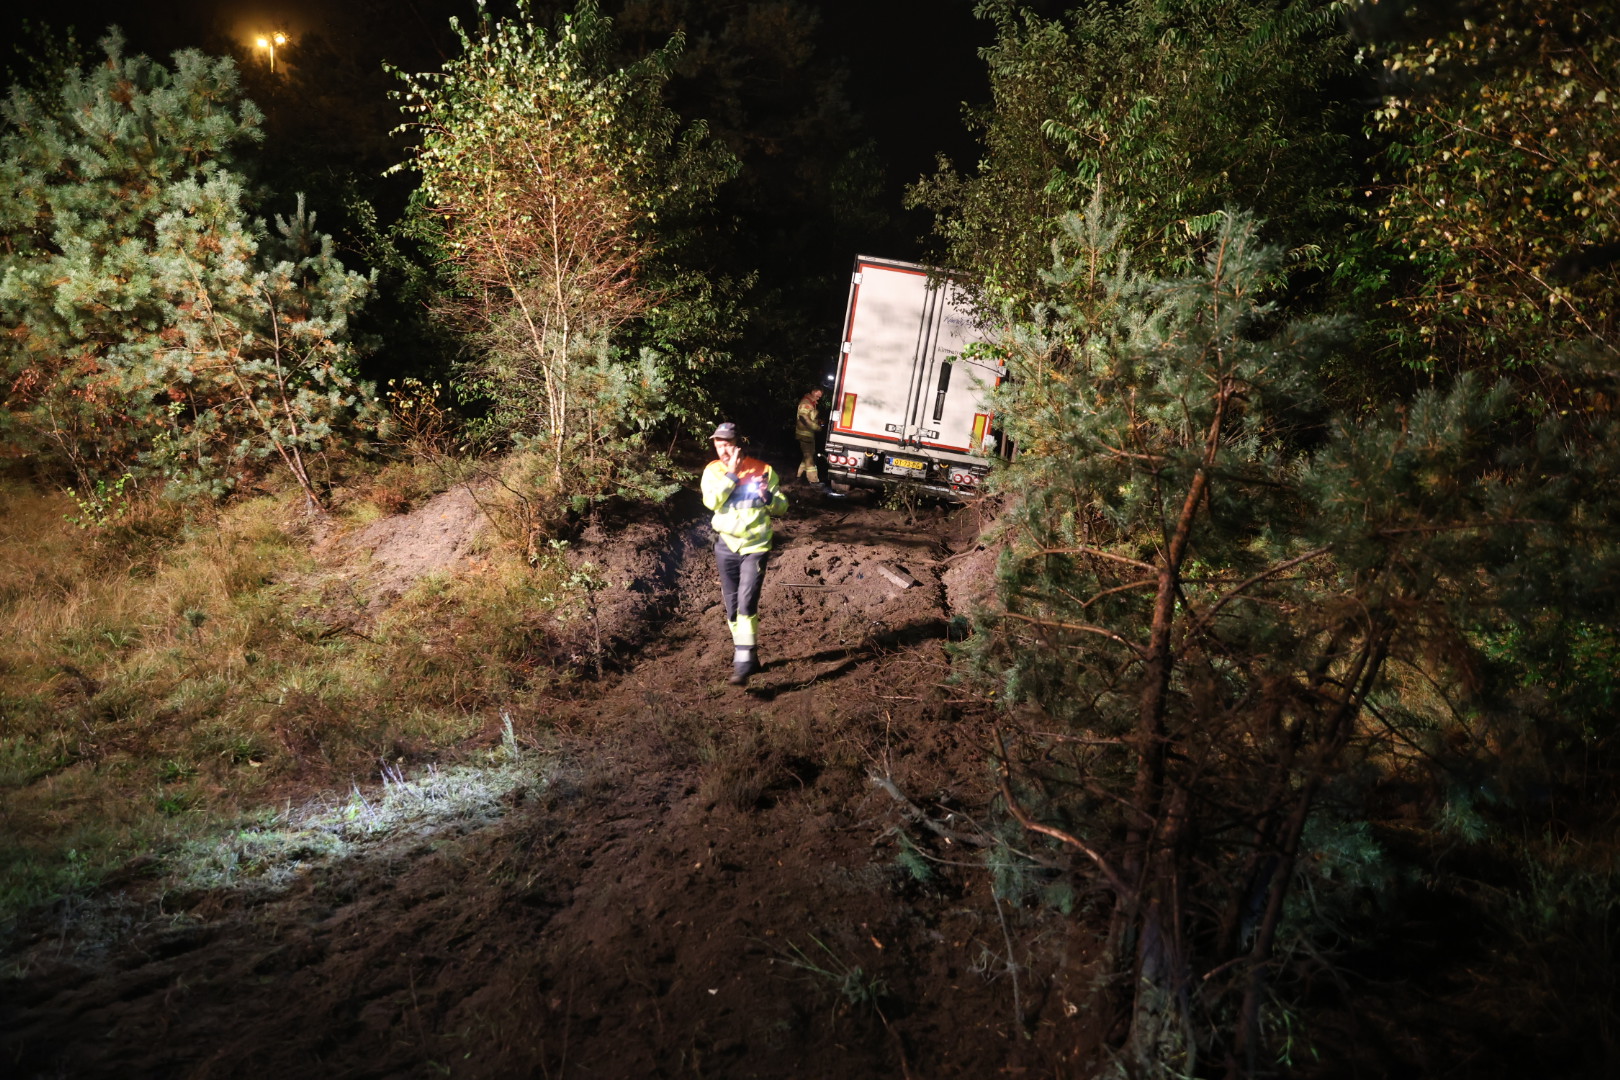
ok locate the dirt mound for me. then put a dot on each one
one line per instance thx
(970, 579)
(395, 552)
(632, 574)
(697, 881)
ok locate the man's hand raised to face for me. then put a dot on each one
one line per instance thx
(729, 454)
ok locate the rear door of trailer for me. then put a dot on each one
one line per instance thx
(899, 390)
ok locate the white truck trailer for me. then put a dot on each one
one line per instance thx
(907, 406)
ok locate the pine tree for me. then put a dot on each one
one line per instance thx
(1209, 585)
(153, 327)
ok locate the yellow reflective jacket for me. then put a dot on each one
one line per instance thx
(744, 503)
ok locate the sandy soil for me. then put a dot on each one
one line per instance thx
(393, 553)
(706, 881)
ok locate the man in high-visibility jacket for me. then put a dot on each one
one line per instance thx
(805, 426)
(745, 496)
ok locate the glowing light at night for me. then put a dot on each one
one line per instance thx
(270, 42)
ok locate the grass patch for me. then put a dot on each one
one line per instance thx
(274, 847)
(268, 849)
(853, 986)
(746, 760)
(170, 672)
(398, 486)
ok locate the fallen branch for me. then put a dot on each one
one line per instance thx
(916, 814)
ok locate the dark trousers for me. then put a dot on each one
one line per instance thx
(740, 579)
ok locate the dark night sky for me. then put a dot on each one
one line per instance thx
(912, 62)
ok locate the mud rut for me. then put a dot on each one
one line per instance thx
(706, 882)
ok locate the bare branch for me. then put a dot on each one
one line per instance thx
(1085, 549)
(1079, 628)
(1018, 812)
(1232, 594)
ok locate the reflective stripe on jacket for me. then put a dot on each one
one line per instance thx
(744, 503)
(806, 424)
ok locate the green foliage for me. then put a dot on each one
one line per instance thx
(911, 859)
(399, 332)
(1211, 585)
(103, 504)
(547, 180)
(1561, 922)
(1344, 873)
(154, 328)
(1497, 219)
(42, 55)
(1175, 109)
(1569, 665)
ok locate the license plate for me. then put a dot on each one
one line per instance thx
(908, 463)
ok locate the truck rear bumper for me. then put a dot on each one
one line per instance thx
(871, 480)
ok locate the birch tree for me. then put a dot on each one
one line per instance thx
(545, 176)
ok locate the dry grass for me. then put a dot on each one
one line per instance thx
(744, 761)
(188, 664)
(397, 486)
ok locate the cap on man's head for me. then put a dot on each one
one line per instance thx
(726, 431)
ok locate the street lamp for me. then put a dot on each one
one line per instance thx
(270, 43)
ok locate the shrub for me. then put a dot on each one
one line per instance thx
(155, 329)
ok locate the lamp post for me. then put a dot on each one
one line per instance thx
(270, 43)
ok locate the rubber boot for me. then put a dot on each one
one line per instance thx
(742, 665)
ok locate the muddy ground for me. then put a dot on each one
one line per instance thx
(701, 881)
